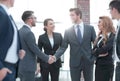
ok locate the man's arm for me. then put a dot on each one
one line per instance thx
(31, 43)
(93, 34)
(63, 47)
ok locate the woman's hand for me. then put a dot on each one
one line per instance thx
(103, 55)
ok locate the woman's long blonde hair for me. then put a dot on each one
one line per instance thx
(107, 27)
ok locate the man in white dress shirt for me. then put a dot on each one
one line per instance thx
(9, 42)
(114, 7)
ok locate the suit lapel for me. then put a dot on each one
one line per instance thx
(73, 34)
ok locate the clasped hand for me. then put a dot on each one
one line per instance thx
(52, 59)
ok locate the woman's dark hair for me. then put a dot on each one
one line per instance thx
(46, 22)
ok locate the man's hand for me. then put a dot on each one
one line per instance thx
(38, 68)
(22, 54)
(3, 73)
(52, 59)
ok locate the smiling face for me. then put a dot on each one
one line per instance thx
(100, 25)
(50, 26)
(74, 17)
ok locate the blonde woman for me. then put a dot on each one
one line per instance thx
(103, 50)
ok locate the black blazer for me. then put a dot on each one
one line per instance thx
(102, 49)
(44, 43)
(118, 44)
(6, 35)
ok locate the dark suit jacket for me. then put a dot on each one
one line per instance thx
(6, 35)
(79, 52)
(28, 43)
(102, 49)
(118, 44)
(44, 43)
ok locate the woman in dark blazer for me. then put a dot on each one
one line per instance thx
(103, 49)
(50, 42)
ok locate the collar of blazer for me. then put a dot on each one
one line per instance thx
(47, 39)
(84, 33)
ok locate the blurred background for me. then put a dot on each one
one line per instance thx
(58, 10)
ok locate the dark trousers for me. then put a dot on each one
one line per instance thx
(54, 72)
(104, 72)
(12, 76)
(117, 75)
(87, 72)
(26, 76)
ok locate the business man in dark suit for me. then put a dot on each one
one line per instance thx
(80, 37)
(114, 7)
(9, 42)
(50, 41)
(27, 66)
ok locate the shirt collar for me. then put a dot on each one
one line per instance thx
(81, 24)
(28, 26)
(5, 8)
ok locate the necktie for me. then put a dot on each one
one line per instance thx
(79, 34)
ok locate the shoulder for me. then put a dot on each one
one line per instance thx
(88, 26)
(56, 33)
(42, 36)
(3, 15)
(25, 31)
(112, 35)
(69, 29)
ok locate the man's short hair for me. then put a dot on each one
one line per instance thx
(26, 15)
(115, 4)
(77, 11)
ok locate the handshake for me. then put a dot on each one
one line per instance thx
(52, 59)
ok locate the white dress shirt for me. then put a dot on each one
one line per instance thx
(81, 27)
(115, 53)
(51, 41)
(12, 56)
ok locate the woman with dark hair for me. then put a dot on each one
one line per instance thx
(103, 49)
(50, 42)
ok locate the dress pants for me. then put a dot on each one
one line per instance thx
(87, 72)
(27, 76)
(104, 72)
(117, 75)
(54, 73)
(10, 77)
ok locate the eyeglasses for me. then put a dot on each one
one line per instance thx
(32, 17)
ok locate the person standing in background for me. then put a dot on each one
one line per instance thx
(9, 43)
(114, 7)
(50, 41)
(103, 50)
(27, 66)
(80, 38)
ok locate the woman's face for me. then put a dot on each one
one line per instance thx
(50, 26)
(100, 25)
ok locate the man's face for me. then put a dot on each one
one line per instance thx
(32, 20)
(113, 13)
(74, 17)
